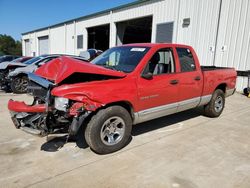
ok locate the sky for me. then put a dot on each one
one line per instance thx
(19, 16)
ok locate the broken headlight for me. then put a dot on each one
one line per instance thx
(61, 103)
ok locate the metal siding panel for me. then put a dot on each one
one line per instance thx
(33, 43)
(57, 40)
(165, 11)
(245, 49)
(239, 40)
(69, 38)
(234, 36)
(201, 33)
(234, 33)
(241, 83)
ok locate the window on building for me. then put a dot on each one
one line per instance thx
(79, 41)
(186, 60)
(164, 32)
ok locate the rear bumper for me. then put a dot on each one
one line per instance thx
(16, 106)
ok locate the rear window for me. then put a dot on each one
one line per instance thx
(186, 60)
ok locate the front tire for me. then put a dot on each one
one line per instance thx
(109, 130)
(216, 105)
(19, 84)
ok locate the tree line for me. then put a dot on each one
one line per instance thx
(9, 46)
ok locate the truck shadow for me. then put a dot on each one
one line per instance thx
(165, 121)
(54, 142)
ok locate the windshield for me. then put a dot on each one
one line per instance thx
(124, 58)
(31, 61)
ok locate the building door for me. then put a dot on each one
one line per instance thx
(43, 45)
(233, 43)
(27, 47)
(138, 30)
(197, 26)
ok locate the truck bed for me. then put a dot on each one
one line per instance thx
(213, 77)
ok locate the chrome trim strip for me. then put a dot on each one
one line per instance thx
(229, 92)
(164, 110)
(41, 81)
(188, 104)
(153, 113)
(158, 108)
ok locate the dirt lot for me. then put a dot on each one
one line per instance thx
(185, 150)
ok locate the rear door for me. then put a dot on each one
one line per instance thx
(190, 79)
(158, 96)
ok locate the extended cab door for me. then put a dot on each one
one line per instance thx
(190, 79)
(158, 93)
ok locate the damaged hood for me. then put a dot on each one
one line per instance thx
(25, 69)
(61, 68)
(5, 64)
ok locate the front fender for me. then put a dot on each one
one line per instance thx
(99, 93)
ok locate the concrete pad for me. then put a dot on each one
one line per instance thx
(184, 150)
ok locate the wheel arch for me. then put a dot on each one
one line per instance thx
(222, 86)
(125, 104)
(20, 75)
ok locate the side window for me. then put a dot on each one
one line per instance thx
(186, 60)
(162, 62)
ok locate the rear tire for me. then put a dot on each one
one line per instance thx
(216, 105)
(19, 84)
(109, 130)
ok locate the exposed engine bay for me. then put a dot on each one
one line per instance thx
(49, 114)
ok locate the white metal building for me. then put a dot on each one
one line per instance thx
(219, 30)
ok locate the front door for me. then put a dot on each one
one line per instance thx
(158, 95)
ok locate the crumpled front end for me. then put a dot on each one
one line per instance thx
(33, 118)
(47, 114)
(59, 105)
(3, 79)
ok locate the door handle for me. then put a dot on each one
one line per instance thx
(197, 78)
(173, 82)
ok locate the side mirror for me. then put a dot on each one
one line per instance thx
(147, 75)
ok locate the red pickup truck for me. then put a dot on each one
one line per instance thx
(125, 85)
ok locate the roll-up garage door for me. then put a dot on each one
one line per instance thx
(27, 47)
(43, 44)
